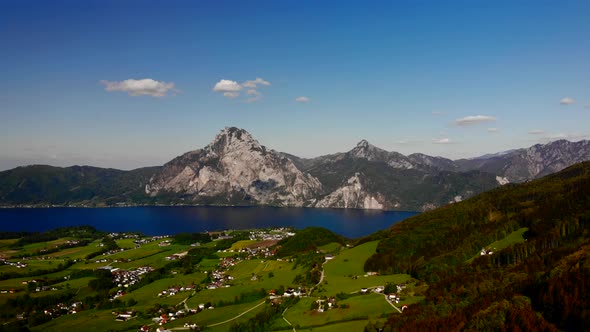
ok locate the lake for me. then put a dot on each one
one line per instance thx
(171, 220)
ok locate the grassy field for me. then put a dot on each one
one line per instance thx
(242, 244)
(126, 243)
(16, 283)
(74, 283)
(218, 315)
(345, 272)
(148, 295)
(153, 259)
(363, 307)
(331, 248)
(102, 320)
(208, 264)
(6, 243)
(356, 325)
(33, 265)
(135, 254)
(512, 238)
(242, 272)
(33, 248)
(77, 252)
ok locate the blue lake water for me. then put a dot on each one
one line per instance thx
(172, 220)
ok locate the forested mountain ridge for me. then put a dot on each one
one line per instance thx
(541, 283)
(42, 184)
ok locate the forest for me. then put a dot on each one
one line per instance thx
(540, 283)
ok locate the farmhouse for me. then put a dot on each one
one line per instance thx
(486, 251)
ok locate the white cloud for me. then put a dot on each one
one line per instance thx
(567, 101)
(231, 95)
(441, 140)
(227, 86)
(253, 84)
(536, 132)
(231, 89)
(493, 130)
(142, 87)
(302, 99)
(557, 136)
(571, 136)
(474, 119)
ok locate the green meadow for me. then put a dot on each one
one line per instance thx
(510, 239)
(345, 272)
(360, 307)
(282, 275)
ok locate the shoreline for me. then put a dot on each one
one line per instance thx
(194, 205)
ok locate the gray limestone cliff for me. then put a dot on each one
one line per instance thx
(235, 169)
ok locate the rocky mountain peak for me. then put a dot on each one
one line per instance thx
(234, 167)
(233, 138)
(366, 150)
(363, 144)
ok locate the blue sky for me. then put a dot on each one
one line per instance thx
(449, 78)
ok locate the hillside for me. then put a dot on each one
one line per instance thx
(395, 188)
(41, 184)
(308, 239)
(547, 273)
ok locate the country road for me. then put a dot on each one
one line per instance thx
(393, 305)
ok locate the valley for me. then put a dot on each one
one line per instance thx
(294, 166)
(219, 285)
(514, 257)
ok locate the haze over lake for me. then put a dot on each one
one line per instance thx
(172, 220)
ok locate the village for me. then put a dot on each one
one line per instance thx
(243, 275)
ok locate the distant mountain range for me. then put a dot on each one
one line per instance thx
(235, 169)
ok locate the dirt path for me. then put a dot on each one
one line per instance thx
(288, 322)
(321, 278)
(238, 316)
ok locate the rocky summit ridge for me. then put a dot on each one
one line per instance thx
(235, 167)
